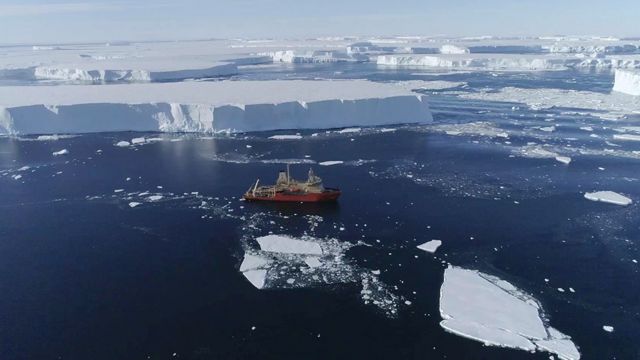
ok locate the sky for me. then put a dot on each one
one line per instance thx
(64, 21)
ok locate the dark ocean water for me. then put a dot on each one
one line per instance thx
(85, 276)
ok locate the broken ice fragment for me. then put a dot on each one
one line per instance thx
(563, 159)
(608, 197)
(430, 246)
(61, 152)
(285, 244)
(312, 262)
(256, 277)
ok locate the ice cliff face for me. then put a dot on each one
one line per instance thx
(57, 73)
(628, 82)
(508, 62)
(210, 107)
(173, 117)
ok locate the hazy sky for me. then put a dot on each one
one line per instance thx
(45, 21)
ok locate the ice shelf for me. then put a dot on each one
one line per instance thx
(222, 106)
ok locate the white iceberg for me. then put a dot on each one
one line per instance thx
(492, 311)
(220, 106)
(608, 197)
(563, 159)
(61, 152)
(430, 246)
(627, 81)
(453, 49)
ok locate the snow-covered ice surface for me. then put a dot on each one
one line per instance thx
(491, 310)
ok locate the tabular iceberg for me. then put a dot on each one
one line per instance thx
(508, 61)
(225, 106)
(628, 82)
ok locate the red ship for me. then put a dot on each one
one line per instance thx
(287, 189)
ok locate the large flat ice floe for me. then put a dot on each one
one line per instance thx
(223, 106)
(628, 82)
(492, 311)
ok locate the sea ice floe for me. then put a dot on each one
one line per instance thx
(155, 197)
(285, 137)
(430, 246)
(607, 328)
(288, 245)
(284, 262)
(329, 163)
(563, 159)
(490, 310)
(610, 197)
(123, 143)
(626, 137)
(478, 128)
(138, 141)
(61, 152)
(134, 204)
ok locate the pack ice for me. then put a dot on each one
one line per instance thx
(285, 262)
(222, 106)
(490, 310)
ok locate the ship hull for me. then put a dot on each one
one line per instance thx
(325, 196)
